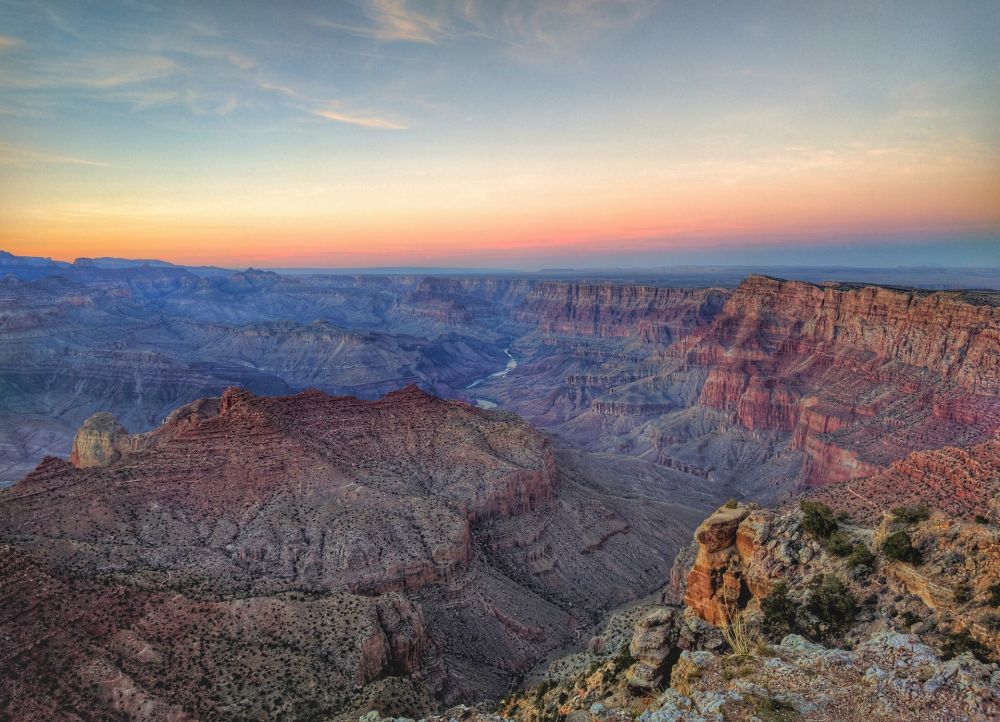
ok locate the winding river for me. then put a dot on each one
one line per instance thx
(511, 365)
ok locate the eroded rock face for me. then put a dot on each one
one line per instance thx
(962, 482)
(652, 314)
(100, 441)
(409, 546)
(840, 366)
(715, 583)
(654, 639)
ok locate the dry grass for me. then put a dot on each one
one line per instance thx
(739, 634)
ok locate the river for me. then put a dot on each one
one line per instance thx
(511, 365)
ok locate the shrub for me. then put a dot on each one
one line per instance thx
(731, 504)
(832, 604)
(779, 612)
(839, 544)
(899, 547)
(860, 556)
(956, 644)
(817, 519)
(993, 592)
(624, 659)
(911, 514)
(962, 593)
(980, 519)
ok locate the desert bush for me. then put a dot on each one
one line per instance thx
(817, 519)
(779, 612)
(860, 555)
(962, 593)
(993, 595)
(980, 519)
(623, 660)
(839, 544)
(911, 514)
(898, 546)
(832, 603)
(731, 504)
(962, 642)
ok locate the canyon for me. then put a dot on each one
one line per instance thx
(234, 489)
(432, 549)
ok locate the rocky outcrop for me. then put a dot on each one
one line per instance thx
(916, 644)
(889, 676)
(715, 584)
(100, 442)
(652, 644)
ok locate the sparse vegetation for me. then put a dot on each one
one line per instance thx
(779, 612)
(962, 642)
(962, 593)
(980, 519)
(818, 519)
(911, 514)
(768, 709)
(898, 546)
(860, 556)
(839, 544)
(832, 603)
(731, 504)
(739, 634)
(993, 595)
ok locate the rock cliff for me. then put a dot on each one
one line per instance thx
(860, 376)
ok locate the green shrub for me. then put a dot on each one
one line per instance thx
(962, 593)
(817, 519)
(899, 547)
(957, 644)
(911, 514)
(839, 544)
(860, 556)
(980, 519)
(779, 612)
(993, 592)
(731, 504)
(832, 604)
(623, 660)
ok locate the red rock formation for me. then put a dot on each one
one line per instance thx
(715, 582)
(961, 482)
(859, 375)
(651, 314)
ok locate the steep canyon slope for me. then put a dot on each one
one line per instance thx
(410, 549)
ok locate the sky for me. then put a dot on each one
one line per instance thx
(502, 133)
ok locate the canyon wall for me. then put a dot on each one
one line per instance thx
(858, 376)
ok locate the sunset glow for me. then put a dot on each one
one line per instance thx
(511, 134)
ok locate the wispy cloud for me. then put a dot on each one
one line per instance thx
(11, 155)
(559, 25)
(359, 119)
(395, 21)
(7, 42)
(524, 26)
(110, 71)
